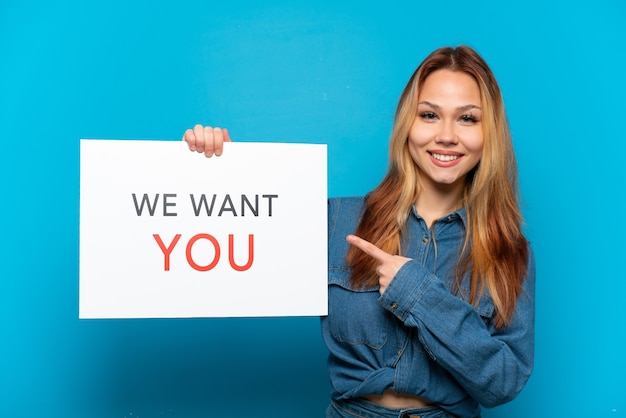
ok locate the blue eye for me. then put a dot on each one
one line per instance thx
(428, 115)
(468, 119)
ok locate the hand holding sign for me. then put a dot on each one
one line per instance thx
(207, 140)
(388, 265)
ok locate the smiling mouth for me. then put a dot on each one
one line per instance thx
(444, 158)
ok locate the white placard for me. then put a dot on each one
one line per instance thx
(165, 232)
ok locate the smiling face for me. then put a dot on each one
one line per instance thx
(446, 137)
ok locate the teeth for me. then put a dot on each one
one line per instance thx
(445, 157)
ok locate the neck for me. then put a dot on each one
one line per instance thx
(433, 203)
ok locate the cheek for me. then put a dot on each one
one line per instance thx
(475, 148)
(418, 137)
(413, 153)
(415, 145)
(475, 143)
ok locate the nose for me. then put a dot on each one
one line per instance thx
(446, 134)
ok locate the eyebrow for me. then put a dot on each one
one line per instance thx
(461, 108)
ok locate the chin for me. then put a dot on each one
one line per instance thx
(446, 182)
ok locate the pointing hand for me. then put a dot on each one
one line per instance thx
(388, 265)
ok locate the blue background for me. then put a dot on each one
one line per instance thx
(325, 72)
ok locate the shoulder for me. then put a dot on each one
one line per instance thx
(342, 206)
(529, 281)
(353, 202)
(344, 215)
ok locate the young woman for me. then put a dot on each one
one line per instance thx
(431, 280)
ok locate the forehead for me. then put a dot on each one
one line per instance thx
(453, 88)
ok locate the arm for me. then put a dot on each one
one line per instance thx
(492, 364)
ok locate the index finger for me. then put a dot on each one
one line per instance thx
(367, 247)
(226, 135)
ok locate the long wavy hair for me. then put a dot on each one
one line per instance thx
(495, 251)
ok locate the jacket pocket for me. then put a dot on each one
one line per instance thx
(354, 316)
(485, 307)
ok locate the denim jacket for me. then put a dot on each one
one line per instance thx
(420, 337)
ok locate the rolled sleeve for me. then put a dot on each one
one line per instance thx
(492, 364)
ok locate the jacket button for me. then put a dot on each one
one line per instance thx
(425, 240)
(394, 305)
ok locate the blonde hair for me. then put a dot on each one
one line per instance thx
(495, 251)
